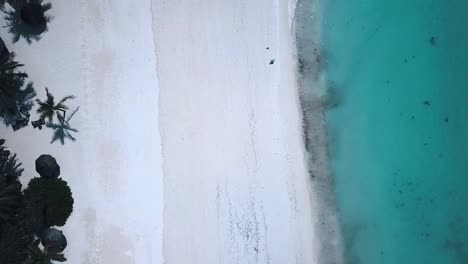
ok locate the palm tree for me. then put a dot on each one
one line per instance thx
(10, 78)
(10, 199)
(15, 238)
(27, 19)
(10, 187)
(62, 129)
(48, 109)
(24, 104)
(14, 108)
(9, 168)
(15, 102)
(4, 52)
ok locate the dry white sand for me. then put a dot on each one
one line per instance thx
(236, 188)
(190, 146)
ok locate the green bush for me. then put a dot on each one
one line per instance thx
(10, 199)
(15, 238)
(50, 200)
(10, 186)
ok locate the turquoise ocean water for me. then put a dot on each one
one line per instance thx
(399, 138)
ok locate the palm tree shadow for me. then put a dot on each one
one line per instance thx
(63, 129)
(27, 19)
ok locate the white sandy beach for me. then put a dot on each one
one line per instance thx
(230, 126)
(190, 147)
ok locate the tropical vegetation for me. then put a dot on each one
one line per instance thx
(51, 197)
(48, 108)
(27, 216)
(26, 18)
(15, 101)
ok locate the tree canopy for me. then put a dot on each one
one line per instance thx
(27, 19)
(15, 101)
(52, 197)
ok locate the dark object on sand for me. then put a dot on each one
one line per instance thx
(38, 124)
(272, 62)
(47, 167)
(22, 121)
(53, 240)
(427, 103)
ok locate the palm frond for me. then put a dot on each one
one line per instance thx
(9, 165)
(50, 97)
(44, 116)
(68, 97)
(28, 92)
(61, 104)
(10, 65)
(10, 168)
(52, 125)
(48, 109)
(73, 113)
(15, 101)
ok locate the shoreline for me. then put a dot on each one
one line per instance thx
(315, 100)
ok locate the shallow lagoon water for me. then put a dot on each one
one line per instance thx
(399, 138)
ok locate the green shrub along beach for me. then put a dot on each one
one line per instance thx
(28, 217)
(31, 216)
